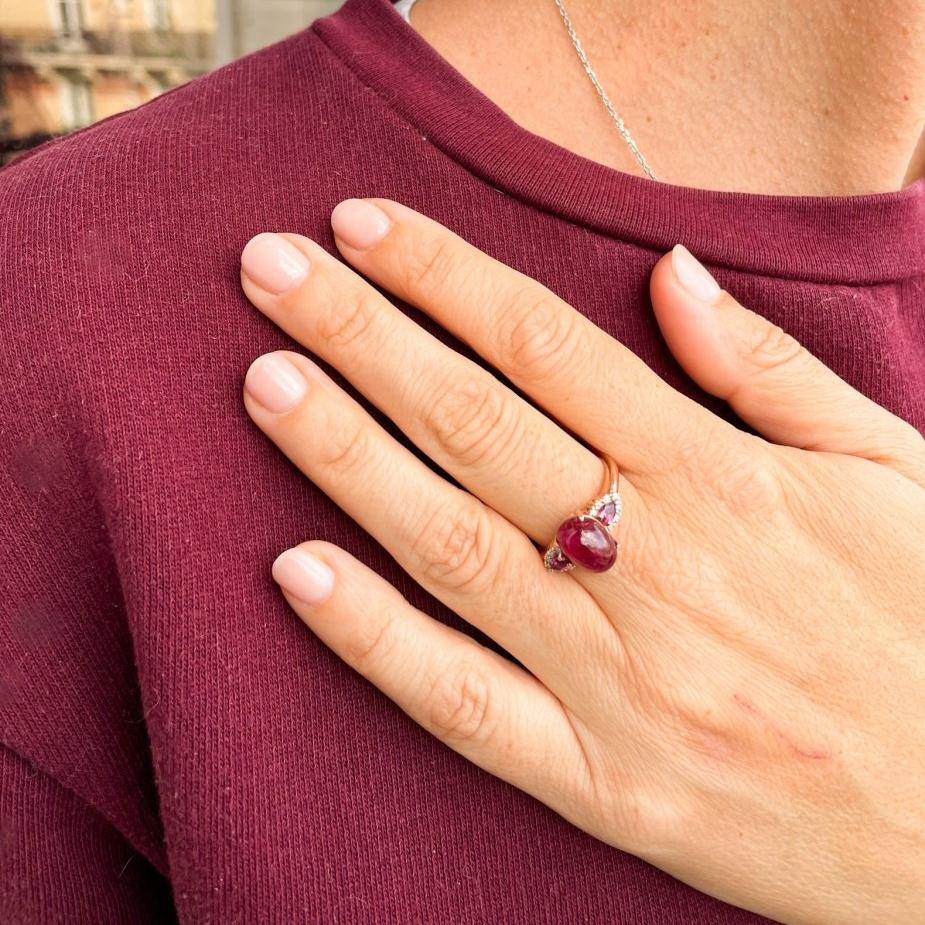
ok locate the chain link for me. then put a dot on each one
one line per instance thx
(602, 93)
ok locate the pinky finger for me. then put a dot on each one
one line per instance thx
(483, 706)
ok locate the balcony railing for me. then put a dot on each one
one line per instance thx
(192, 50)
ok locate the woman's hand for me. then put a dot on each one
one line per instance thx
(741, 700)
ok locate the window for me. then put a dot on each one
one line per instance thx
(76, 101)
(160, 83)
(158, 14)
(70, 16)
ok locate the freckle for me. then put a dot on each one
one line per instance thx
(826, 111)
(743, 701)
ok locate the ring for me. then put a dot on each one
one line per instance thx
(585, 538)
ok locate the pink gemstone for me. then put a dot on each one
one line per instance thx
(607, 513)
(587, 543)
(555, 559)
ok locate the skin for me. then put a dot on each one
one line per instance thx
(739, 701)
(824, 97)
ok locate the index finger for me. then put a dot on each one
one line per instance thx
(581, 375)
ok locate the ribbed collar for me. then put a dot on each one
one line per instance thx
(835, 239)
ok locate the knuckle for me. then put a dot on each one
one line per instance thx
(742, 477)
(771, 347)
(349, 318)
(461, 705)
(468, 420)
(751, 488)
(429, 264)
(537, 335)
(343, 445)
(453, 549)
(374, 644)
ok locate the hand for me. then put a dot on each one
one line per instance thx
(740, 700)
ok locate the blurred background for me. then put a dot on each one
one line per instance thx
(67, 63)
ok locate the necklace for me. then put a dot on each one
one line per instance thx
(602, 93)
(404, 8)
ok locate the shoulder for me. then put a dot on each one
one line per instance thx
(93, 221)
(211, 119)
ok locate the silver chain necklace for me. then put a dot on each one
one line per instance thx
(602, 93)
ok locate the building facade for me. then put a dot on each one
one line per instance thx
(67, 63)
(246, 25)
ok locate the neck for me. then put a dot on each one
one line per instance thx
(826, 98)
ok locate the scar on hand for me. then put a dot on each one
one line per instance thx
(796, 748)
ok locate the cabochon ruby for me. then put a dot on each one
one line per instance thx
(587, 542)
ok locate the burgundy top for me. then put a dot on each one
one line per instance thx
(172, 736)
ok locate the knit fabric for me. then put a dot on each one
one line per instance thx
(172, 736)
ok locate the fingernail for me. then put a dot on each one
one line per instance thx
(359, 224)
(273, 263)
(693, 275)
(303, 575)
(276, 383)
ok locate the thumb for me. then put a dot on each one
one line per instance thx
(770, 380)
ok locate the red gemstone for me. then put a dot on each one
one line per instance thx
(587, 542)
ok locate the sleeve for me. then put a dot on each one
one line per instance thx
(60, 861)
(77, 788)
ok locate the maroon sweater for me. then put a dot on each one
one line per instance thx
(172, 737)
